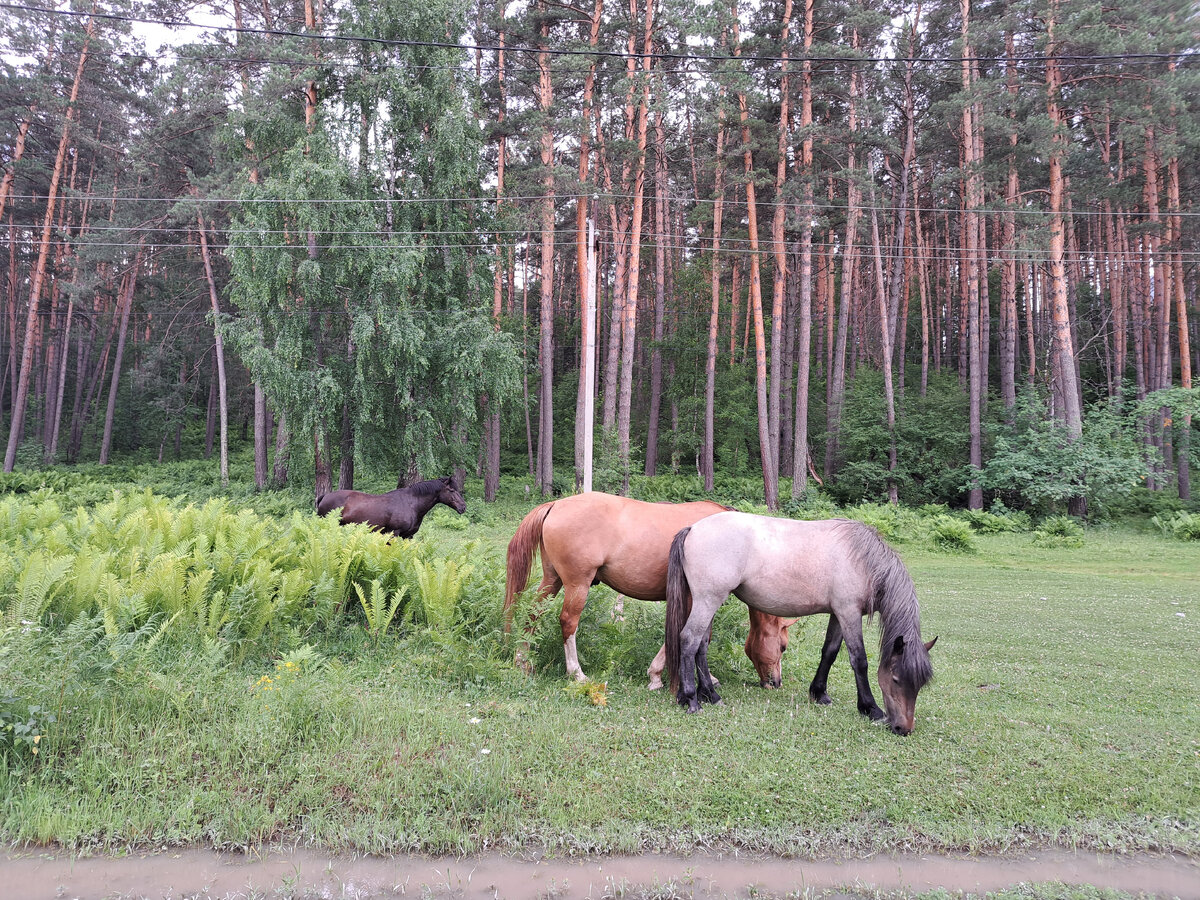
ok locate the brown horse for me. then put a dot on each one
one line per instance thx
(399, 512)
(596, 538)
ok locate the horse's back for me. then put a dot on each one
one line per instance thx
(785, 567)
(624, 541)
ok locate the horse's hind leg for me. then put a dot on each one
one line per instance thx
(852, 634)
(829, 652)
(706, 687)
(574, 599)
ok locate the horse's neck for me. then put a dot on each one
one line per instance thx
(423, 504)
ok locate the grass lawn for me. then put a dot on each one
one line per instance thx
(1065, 710)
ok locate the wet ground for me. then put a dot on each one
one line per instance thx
(309, 874)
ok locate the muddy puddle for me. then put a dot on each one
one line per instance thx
(309, 874)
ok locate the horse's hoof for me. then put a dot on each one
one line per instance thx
(876, 714)
(580, 678)
(822, 699)
(693, 708)
(715, 682)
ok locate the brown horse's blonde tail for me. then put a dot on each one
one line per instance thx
(679, 605)
(520, 557)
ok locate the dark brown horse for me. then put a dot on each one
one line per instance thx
(398, 512)
(596, 538)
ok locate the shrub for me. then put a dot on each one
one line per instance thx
(951, 535)
(1181, 526)
(1059, 531)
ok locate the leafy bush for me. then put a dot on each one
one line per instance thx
(1059, 531)
(1180, 525)
(22, 726)
(951, 535)
(998, 520)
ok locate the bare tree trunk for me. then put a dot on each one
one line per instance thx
(279, 474)
(1174, 238)
(710, 366)
(491, 474)
(885, 340)
(545, 458)
(1008, 270)
(126, 307)
(973, 200)
(779, 258)
(17, 424)
(18, 152)
(629, 323)
(261, 434)
(222, 389)
(1072, 414)
(837, 376)
(662, 233)
(766, 454)
(582, 210)
(800, 459)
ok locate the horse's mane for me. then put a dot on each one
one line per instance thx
(895, 598)
(425, 488)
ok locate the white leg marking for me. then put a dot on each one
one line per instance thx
(573, 667)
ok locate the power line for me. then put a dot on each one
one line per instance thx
(1138, 215)
(682, 57)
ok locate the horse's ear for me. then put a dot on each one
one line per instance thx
(898, 646)
(929, 644)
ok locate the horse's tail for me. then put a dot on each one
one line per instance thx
(679, 605)
(520, 557)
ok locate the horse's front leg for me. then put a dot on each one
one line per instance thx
(574, 599)
(852, 634)
(829, 652)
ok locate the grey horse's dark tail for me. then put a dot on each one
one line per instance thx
(679, 605)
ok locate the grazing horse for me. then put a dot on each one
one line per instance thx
(790, 568)
(596, 538)
(400, 511)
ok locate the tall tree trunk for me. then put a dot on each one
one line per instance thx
(491, 472)
(885, 340)
(1071, 413)
(766, 454)
(222, 387)
(126, 306)
(629, 323)
(710, 364)
(837, 376)
(545, 458)
(800, 459)
(779, 258)
(662, 232)
(279, 472)
(1008, 270)
(18, 152)
(582, 212)
(20, 401)
(971, 257)
(1175, 281)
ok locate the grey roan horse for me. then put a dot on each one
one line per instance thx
(399, 512)
(790, 568)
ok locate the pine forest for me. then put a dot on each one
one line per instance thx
(933, 252)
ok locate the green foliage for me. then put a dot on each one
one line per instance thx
(440, 585)
(1181, 525)
(952, 535)
(1058, 531)
(22, 727)
(379, 607)
(1036, 465)
(999, 520)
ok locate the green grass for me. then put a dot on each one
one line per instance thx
(1065, 711)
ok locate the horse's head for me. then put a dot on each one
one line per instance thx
(766, 644)
(904, 669)
(450, 493)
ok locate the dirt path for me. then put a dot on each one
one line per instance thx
(305, 874)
